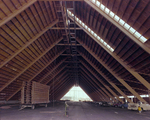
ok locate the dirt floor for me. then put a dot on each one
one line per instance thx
(76, 111)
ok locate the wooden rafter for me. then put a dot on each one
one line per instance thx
(104, 76)
(135, 74)
(37, 74)
(99, 92)
(91, 96)
(143, 46)
(58, 79)
(29, 65)
(60, 0)
(63, 92)
(15, 13)
(95, 82)
(57, 88)
(91, 89)
(56, 74)
(52, 70)
(112, 72)
(49, 64)
(28, 43)
(62, 88)
(109, 89)
(62, 28)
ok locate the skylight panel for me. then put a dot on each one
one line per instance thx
(93, 33)
(83, 24)
(137, 34)
(102, 7)
(93, 1)
(111, 49)
(108, 46)
(107, 10)
(111, 14)
(120, 21)
(131, 30)
(126, 26)
(98, 3)
(116, 18)
(80, 21)
(105, 43)
(143, 39)
(101, 40)
(85, 27)
(98, 38)
(89, 29)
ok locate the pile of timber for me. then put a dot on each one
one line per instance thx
(34, 93)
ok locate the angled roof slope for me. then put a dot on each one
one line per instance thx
(35, 46)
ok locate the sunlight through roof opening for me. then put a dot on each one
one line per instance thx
(92, 32)
(76, 94)
(120, 21)
(132, 96)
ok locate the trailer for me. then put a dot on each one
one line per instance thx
(33, 93)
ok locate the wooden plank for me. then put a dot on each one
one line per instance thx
(28, 43)
(29, 65)
(60, 0)
(40, 93)
(114, 74)
(119, 26)
(4, 21)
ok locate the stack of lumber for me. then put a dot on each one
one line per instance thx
(34, 93)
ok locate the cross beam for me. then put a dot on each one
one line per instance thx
(105, 77)
(29, 65)
(108, 88)
(143, 46)
(112, 72)
(117, 58)
(28, 43)
(36, 75)
(16, 12)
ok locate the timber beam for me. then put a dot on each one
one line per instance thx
(93, 81)
(108, 88)
(112, 72)
(54, 75)
(29, 65)
(15, 13)
(106, 78)
(28, 43)
(143, 46)
(99, 93)
(117, 58)
(36, 75)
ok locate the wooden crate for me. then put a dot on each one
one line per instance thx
(34, 93)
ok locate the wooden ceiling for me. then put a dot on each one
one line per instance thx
(34, 46)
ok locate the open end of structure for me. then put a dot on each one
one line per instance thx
(76, 93)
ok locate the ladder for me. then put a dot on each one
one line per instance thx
(72, 39)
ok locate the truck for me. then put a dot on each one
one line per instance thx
(134, 106)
